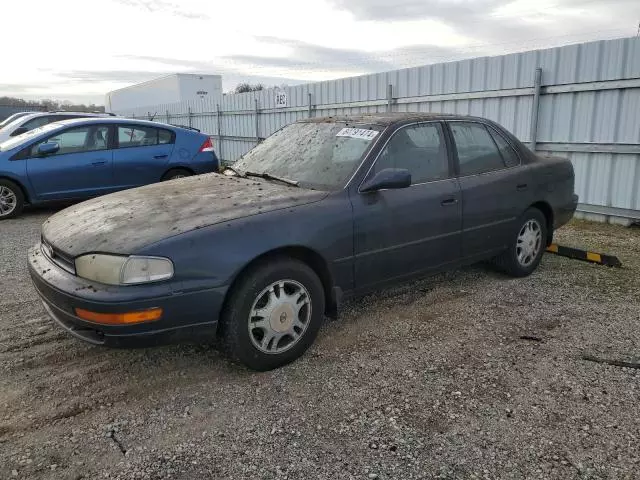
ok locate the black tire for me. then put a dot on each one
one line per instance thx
(11, 199)
(176, 173)
(236, 338)
(508, 261)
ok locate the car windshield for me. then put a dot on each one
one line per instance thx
(25, 137)
(314, 154)
(12, 118)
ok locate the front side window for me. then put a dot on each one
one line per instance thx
(477, 152)
(37, 122)
(141, 136)
(419, 149)
(76, 140)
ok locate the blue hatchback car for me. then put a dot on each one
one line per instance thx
(82, 158)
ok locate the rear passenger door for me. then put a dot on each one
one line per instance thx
(495, 187)
(142, 154)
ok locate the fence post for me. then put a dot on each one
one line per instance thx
(310, 106)
(389, 97)
(190, 119)
(257, 121)
(537, 83)
(168, 116)
(219, 115)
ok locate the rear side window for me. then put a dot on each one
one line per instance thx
(165, 136)
(142, 136)
(37, 122)
(477, 152)
(509, 155)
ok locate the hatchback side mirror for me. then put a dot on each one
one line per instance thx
(388, 178)
(48, 148)
(19, 131)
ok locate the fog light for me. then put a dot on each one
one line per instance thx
(127, 318)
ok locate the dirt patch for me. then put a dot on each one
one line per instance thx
(464, 375)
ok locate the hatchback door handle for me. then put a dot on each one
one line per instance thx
(522, 186)
(98, 163)
(160, 156)
(449, 201)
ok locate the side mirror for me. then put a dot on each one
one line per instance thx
(388, 178)
(48, 148)
(19, 131)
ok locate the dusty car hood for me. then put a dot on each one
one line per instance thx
(126, 221)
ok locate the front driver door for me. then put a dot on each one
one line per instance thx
(81, 168)
(402, 232)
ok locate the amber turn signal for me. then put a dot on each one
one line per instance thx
(120, 318)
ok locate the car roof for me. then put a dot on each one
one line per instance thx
(120, 120)
(386, 119)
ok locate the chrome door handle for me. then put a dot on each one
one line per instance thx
(449, 201)
(98, 163)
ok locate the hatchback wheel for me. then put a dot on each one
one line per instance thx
(273, 314)
(527, 245)
(176, 173)
(11, 199)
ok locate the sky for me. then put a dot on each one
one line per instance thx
(78, 50)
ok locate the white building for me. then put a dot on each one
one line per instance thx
(178, 87)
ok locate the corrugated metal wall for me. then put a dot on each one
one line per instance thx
(589, 110)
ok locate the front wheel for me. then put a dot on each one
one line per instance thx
(273, 314)
(11, 199)
(527, 245)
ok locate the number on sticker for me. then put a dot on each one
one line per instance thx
(281, 99)
(361, 133)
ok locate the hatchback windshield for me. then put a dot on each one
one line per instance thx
(316, 155)
(25, 137)
(12, 118)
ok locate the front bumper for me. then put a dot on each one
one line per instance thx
(186, 314)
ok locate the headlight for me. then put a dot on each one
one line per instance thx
(119, 270)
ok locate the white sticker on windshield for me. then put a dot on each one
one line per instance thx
(362, 133)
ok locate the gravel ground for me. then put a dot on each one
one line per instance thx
(430, 380)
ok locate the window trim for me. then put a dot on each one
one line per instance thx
(506, 140)
(116, 139)
(455, 148)
(29, 147)
(413, 124)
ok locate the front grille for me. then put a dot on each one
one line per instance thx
(56, 256)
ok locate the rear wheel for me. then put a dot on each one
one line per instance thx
(273, 314)
(526, 246)
(11, 199)
(175, 173)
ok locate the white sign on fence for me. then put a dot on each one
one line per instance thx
(281, 99)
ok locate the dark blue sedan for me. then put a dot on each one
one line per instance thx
(83, 158)
(322, 210)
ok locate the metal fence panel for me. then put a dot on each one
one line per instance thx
(588, 111)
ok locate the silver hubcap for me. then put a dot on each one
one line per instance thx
(529, 242)
(180, 175)
(279, 316)
(8, 201)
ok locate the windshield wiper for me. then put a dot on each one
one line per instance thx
(268, 176)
